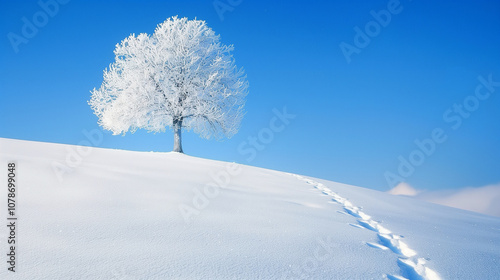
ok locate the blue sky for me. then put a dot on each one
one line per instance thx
(353, 121)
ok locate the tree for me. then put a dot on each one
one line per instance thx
(181, 76)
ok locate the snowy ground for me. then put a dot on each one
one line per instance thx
(111, 214)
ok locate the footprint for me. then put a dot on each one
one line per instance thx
(396, 245)
(374, 226)
(352, 212)
(377, 246)
(356, 226)
(338, 200)
(417, 270)
(356, 212)
(368, 225)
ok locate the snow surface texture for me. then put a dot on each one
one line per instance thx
(136, 215)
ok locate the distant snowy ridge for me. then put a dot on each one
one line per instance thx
(485, 200)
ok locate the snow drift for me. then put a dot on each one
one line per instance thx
(90, 213)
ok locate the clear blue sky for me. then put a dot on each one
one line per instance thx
(353, 120)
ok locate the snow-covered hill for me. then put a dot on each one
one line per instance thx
(109, 214)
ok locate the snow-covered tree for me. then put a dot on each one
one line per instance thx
(181, 76)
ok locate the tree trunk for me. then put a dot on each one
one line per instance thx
(177, 135)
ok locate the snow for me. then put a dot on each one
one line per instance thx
(140, 215)
(485, 199)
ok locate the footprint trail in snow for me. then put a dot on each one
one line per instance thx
(412, 267)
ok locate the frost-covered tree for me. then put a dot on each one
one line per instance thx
(181, 76)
